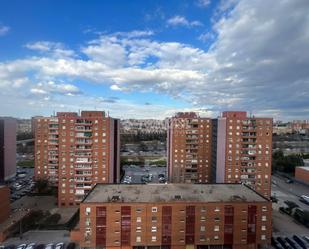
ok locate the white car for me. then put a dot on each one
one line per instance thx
(59, 246)
(49, 246)
(30, 246)
(22, 246)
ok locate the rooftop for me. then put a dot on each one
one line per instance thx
(304, 167)
(173, 192)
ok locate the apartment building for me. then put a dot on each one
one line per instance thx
(7, 148)
(74, 152)
(189, 148)
(242, 148)
(174, 216)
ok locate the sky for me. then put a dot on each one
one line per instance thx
(151, 59)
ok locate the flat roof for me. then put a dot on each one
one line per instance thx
(303, 167)
(173, 192)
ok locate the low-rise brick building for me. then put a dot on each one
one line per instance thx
(4, 202)
(302, 174)
(174, 216)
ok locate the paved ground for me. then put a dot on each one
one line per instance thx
(284, 225)
(36, 202)
(136, 172)
(284, 191)
(41, 237)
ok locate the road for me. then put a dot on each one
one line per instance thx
(136, 172)
(283, 224)
(289, 191)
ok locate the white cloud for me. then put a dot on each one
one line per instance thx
(4, 30)
(258, 61)
(182, 21)
(56, 49)
(51, 87)
(203, 3)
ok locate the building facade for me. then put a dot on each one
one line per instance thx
(4, 203)
(74, 152)
(243, 150)
(302, 174)
(7, 148)
(174, 216)
(189, 148)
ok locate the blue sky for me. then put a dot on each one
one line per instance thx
(150, 59)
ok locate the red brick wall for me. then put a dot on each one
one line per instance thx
(4, 203)
(302, 174)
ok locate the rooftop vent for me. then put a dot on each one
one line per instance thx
(178, 197)
(115, 198)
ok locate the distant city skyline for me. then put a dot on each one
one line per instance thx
(151, 59)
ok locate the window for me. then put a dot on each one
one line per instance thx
(264, 208)
(138, 239)
(153, 238)
(154, 209)
(88, 210)
(153, 229)
(138, 210)
(154, 219)
(216, 237)
(264, 218)
(263, 228)
(217, 209)
(263, 237)
(138, 219)
(202, 228)
(216, 228)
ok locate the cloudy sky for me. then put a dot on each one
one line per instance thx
(150, 59)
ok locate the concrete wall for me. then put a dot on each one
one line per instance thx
(221, 144)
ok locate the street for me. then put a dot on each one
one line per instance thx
(136, 172)
(283, 224)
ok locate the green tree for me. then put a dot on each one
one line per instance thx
(42, 186)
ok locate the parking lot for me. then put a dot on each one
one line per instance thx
(21, 184)
(41, 238)
(283, 224)
(137, 172)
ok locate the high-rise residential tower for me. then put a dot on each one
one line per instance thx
(242, 150)
(74, 152)
(7, 148)
(189, 148)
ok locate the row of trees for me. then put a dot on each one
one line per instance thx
(136, 138)
(286, 164)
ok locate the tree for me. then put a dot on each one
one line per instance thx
(42, 186)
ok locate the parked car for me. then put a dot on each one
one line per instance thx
(71, 245)
(274, 199)
(50, 246)
(10, 247)
(59, 245)
(304, 199)
(161, 175)
(21, 246)
(40, 246)
(301, 242)
(30, 246)
(292, 243)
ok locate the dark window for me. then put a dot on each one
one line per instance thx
(190, 225)
(101, 226)
(166, 225)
